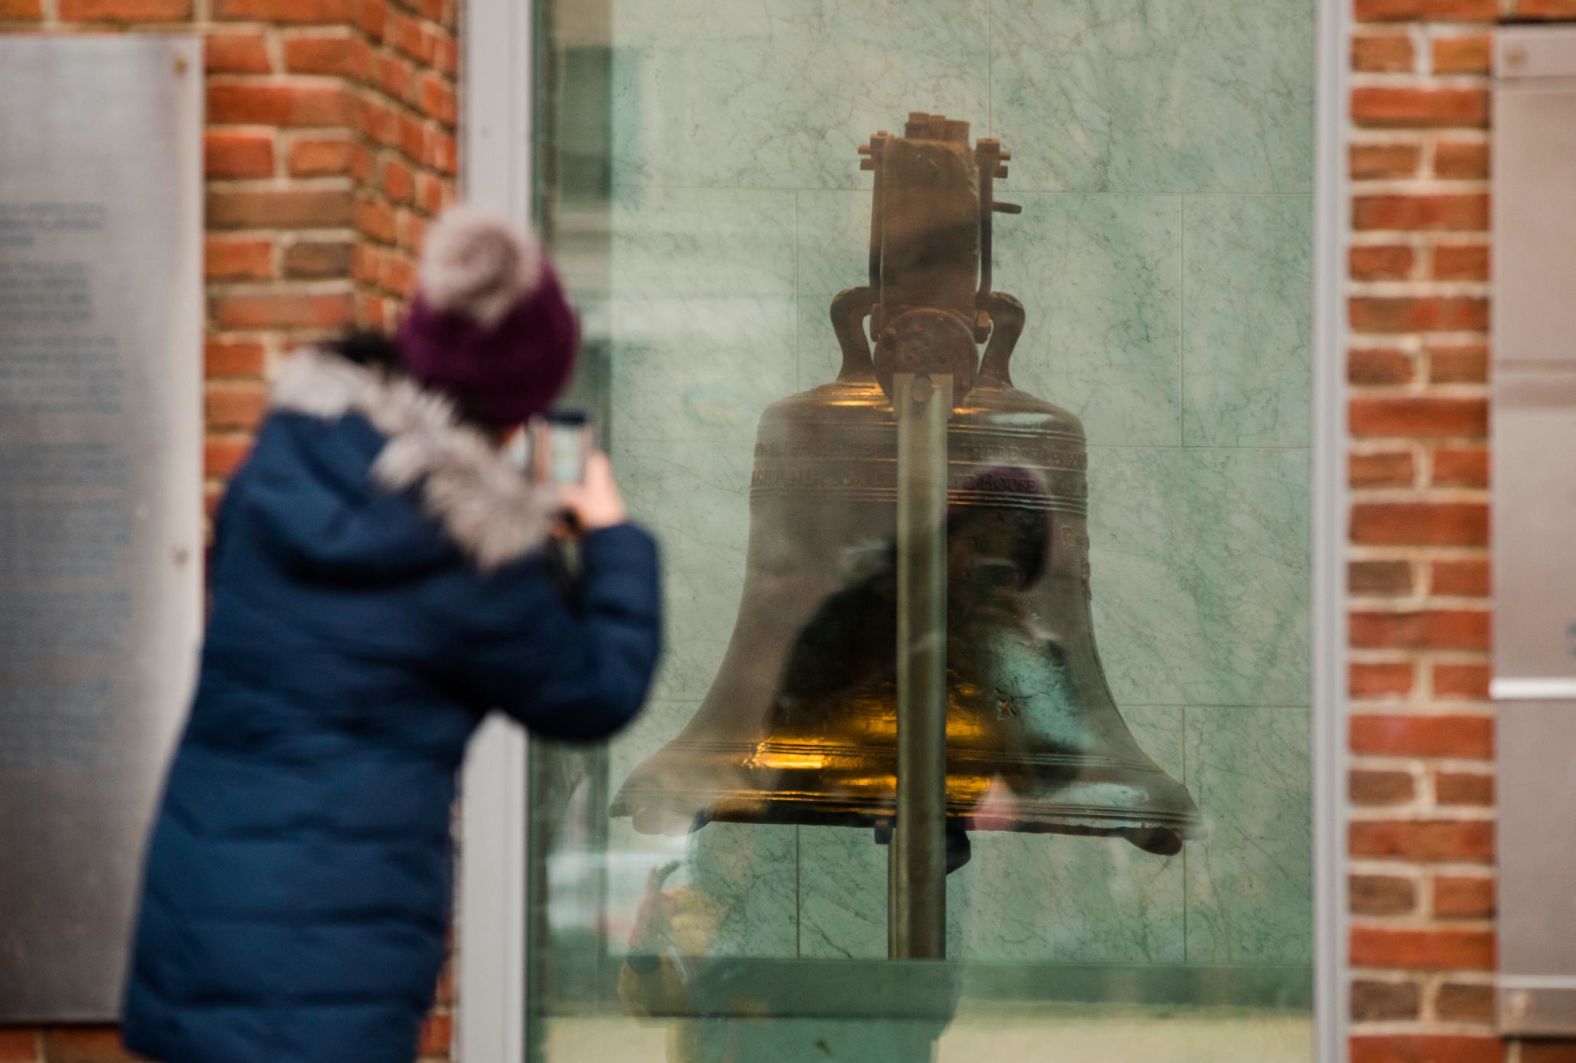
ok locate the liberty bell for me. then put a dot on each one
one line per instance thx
(800, 725)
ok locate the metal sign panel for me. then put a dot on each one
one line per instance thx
(1534, 197)
(1534, 515)
(100, 491)
(1537, 831)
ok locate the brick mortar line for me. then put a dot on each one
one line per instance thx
(1422, 174)
(1428, 921)
(1426, 807)
(1406, 806)
(1365, 447)
(284, 182)
(1390, 339)
(295, 285)
(1391, 866)
(1450, 763)
(1419, 238)
(1474, 439)
(55, 26)
(1439, 498)
(1421, 80)
(1457, 762)
(1437, 553)
(1425, 494)
(1368, 656)
(284, 78)
(1414, 136)
(1416, 388)
(1426, 20)
(1420, 704)
(1422, 814)
(290, 130)
(295, 235)
(1368, 601)
(1473, 978)
(1391, 607)
(1424, 490)
(1425, 1028)
(1422, 701)
(1418, 287)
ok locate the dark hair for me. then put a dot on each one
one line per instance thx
(374, 350)
(377, 350)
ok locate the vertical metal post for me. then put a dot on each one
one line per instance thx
(501, 87)
(917, 868)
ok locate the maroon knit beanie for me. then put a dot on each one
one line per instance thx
(490, 326)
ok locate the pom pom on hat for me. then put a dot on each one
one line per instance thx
(490, 325)
(478, 266)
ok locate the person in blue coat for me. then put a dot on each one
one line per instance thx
(382, 578)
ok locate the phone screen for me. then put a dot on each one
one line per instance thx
(560, 442)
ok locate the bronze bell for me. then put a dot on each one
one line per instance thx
(800, 724)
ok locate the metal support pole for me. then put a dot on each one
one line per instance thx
(917, 862)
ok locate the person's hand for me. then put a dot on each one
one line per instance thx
(594, 504)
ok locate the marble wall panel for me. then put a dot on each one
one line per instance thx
(1100, 280)
(695, 497)
(1155, 95)
(1250, 884)
(1247, 321)
(780, 93)
(702, 314)
(1201, 574)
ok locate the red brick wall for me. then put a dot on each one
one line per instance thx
(331, 141)
(1422, 728)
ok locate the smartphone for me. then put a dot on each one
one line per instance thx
(558, 444)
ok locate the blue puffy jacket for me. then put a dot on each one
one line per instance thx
(379, 585)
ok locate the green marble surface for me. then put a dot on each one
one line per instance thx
(1250, 883)
(695, 499)
(1201, 574)
(1100, 279)
(1248, 274)
(1154, 95)
(779, 93)
(832, 245)
(751, 874)
(702, 312)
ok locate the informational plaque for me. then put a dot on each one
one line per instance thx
(100, 492)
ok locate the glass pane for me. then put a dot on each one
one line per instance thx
(1128, 826)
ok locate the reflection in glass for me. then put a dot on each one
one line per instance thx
(735, 906)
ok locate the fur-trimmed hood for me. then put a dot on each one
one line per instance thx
(480, 499)
(350, 653)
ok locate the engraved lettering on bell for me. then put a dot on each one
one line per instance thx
(800, 723)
